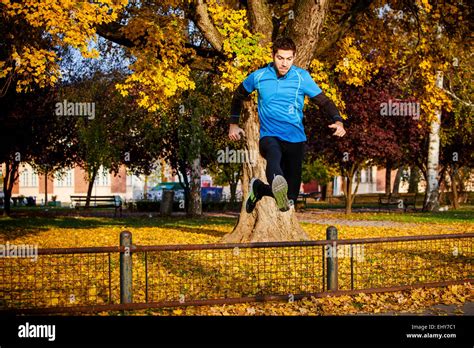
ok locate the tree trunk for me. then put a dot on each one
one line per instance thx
(196, 202)
(185, 185)
(388, 178)
(432, 199)
(11, 176)
(266, 223)
(45, 188)
(145, 188)
(89, 187)
(233, 191)
(396, 183)
(329, 191)
(454, 188)
(350, 196)
(414, 180)
(324, 190)
(348, 188)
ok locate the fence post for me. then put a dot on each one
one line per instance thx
(166, 205)
(126, 267)
(331, 259)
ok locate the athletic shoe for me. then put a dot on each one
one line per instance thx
(280, 192)
(291, 204)
(253, 195)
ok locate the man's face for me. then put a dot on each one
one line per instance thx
(283, 60)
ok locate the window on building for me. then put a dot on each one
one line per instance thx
(102, 177)
(58, 180)
(129, 179)
(363, 176)
(34, 179)
(24, 182)
(63, 179)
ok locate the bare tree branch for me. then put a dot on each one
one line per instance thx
(205, 25)
(260, 19)
(346, 23)
(201, 59)
(467, 103)
(305, 28)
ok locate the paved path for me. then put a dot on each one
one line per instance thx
(466, 309)
(313, 218)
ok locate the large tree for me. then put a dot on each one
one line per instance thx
(168, 39)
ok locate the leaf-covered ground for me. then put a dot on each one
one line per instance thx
(69, 231)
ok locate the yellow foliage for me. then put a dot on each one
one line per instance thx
(354, 68)
(319, 72)
(431, 97)
(210, 271)
(65, 22)
(241, 47)
(158, 72)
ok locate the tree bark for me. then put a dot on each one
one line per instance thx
(348, 188)
(196, 201)
(350, 196)
(89, 187)
(11, 175)
(324, 190)
(309, 16)
(396, 183)
(185, 185)
(233, 191)
(45, 188)
(454, 187)
(414, 180)
(388, 178)
(432, 198)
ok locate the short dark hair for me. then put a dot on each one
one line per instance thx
(284, 43)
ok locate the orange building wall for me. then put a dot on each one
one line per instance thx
(41, 184)
(80, 183)
(118, 182)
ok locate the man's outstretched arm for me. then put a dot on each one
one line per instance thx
(238, 98)
(330, 109)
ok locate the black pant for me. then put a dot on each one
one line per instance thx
(283, 158)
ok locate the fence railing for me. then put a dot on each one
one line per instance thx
(136, 277)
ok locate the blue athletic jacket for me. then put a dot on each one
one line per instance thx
(281, 100)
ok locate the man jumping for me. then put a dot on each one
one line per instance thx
(281, 88)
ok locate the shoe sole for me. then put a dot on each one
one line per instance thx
(280, 192)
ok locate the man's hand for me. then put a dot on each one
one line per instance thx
(340, 131)
(235, 131)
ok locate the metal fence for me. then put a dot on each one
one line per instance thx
(137, 277)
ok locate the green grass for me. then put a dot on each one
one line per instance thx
(463, 215)
(43, 223)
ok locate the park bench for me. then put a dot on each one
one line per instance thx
(98, 202)
(302, 197)
(389, 200)
(397, 200)
(409, 199)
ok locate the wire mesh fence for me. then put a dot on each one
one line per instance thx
(171, 275)
(60, 278)
(204, 274)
